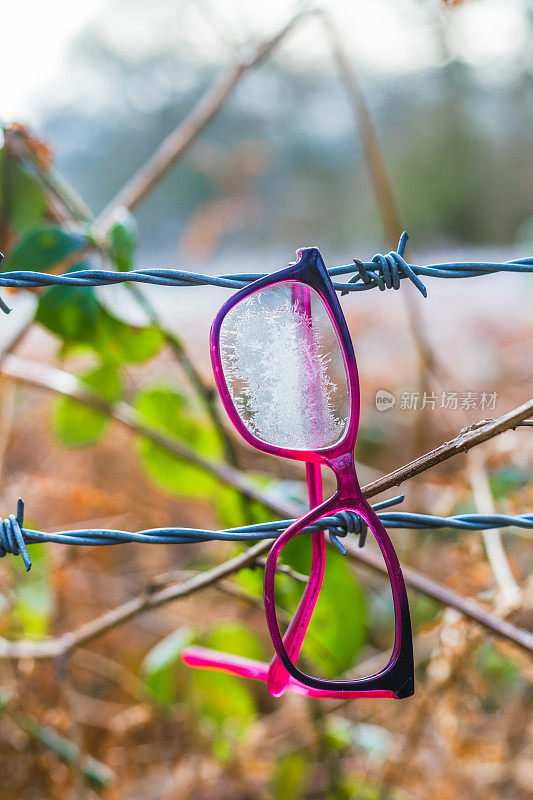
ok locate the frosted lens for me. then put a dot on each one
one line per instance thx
(284, 368)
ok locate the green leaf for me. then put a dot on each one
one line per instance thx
(123, 238)
(229, 507)
(167, 411)
(159, 666)
(339, 625)
(105, 381)
(364, 788)
(225, 700)
(71, 313)
(5, 699)
(233, 637)
(171, 473)
(501, 672)
(21, 196)
(423, 610)
(505, 481)
(121, 343)
(338, 629)
(233, 510)
(77, 425)
(251, 580)
(33, 608)
(40, 249)
(291, 777)
(34, 603)
(77, 316)
(343, 735)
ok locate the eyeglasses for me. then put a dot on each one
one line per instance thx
(286, 372)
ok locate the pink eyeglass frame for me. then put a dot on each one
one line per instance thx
(396, 679)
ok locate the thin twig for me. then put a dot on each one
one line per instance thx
(64, 383)
(37, 374)
(64, 679)
(434, 589)
(467, 439)
(372, 152)
(73, 206)
(509, 589)
(110, 619)
(68, 385)
(181, 139)
(205, 392)
(284, 569)
(386, 203)
(64, 644)
(93, 770)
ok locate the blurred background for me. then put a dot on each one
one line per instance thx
(97, 86)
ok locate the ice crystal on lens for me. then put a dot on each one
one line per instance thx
(276, 367)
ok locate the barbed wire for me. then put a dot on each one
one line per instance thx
(14, 538)
(383, 271)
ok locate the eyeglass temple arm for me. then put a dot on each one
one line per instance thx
(203, 658)
(278, 677)
(275, 673)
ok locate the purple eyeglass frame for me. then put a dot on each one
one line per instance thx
(396, 679)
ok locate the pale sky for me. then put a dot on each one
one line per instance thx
(382, 35)
(35, 38)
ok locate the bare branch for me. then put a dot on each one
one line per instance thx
(434, 589)
(430, 366)
(509, 589)
(180, 140)
(71, 204)
(372, 153)
(468, 438)
(64, 383)
(61, 645)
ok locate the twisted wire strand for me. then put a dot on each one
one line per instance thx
(14, 538)
(383, 271)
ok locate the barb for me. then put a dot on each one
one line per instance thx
(339, 526)
(383, 272)
(351, 523)
(389, 271)
(12, 539)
